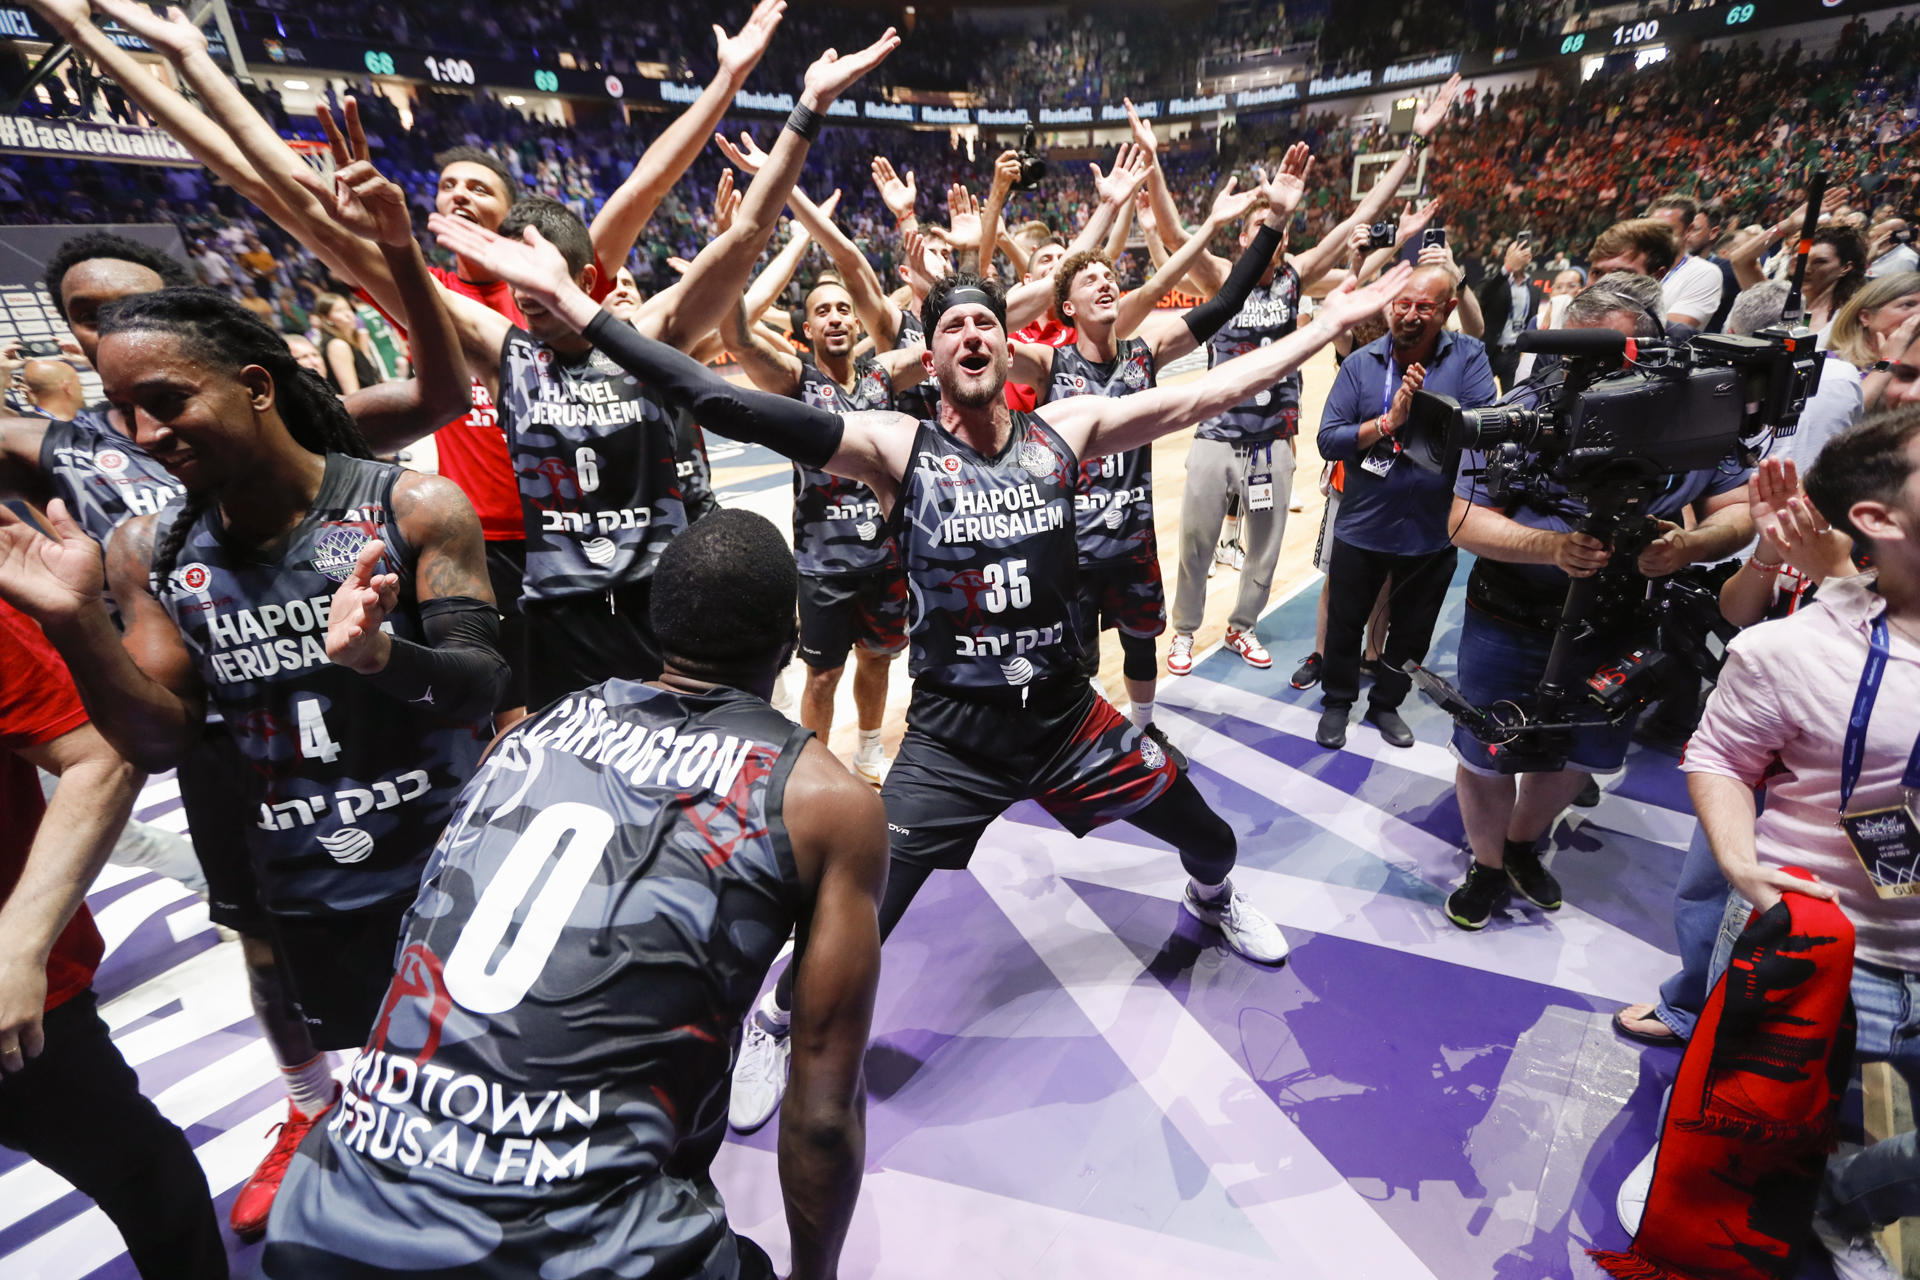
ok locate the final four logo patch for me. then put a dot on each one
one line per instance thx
(335, 550)
(1036, 459)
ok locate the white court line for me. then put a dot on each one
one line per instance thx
(1292, 1195)
(1651, 822)
(906, 1221)
(1577, 951)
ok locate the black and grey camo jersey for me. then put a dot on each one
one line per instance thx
(922, 400)
(546, 1085)
(1114, 506)
(988, 549)
(593, 451)
(104, 478)
(1271, 312)
(350, 787)
(838, 527)
(691, 468)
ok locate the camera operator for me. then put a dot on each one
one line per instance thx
(1528, 555)
(1392, 522)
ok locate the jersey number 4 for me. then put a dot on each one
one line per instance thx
(473, 978)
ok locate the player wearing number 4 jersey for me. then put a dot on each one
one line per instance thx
(980, 502)
(546, 1088)
(356, 697)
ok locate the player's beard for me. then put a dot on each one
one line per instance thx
(975, 391)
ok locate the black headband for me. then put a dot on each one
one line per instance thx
(965, 294)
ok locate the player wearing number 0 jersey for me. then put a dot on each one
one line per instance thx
(546, 1087)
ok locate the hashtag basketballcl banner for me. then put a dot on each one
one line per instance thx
(125, 143)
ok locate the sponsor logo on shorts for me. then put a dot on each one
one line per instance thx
(348, 845)
(335, 551)
(898, 830)
(1150, 753)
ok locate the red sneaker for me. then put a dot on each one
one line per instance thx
(255, 1201)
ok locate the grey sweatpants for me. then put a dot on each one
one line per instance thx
(1215, 471)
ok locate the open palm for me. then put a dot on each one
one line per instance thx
(832, 75)
(49, 579)
(739, 54)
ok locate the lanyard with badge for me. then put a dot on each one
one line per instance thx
(1886, 840)
(1260, 477)
(1380, 458)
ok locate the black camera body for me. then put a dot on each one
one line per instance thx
(1383, 235)
(1032, 167)
(1613, 435)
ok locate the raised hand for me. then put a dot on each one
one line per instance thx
(1229, 205)
(360, 198)
(1428, 117)
(748, 156)
(63, 15)
(1131, 166)
(1283, 189)
(739, 54)
(1440, 255)
(1347, 305)
(1006, 171)
(1143, 214)
(51, 580)
(726, 202)
(963, 216)
(1142, 131)
(832, 75)
(172, 37)
(363, 602)
(896, 193)
(530, 263)
(1414, 220)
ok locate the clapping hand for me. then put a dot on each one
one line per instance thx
(364, 601)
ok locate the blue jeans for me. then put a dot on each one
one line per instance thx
(1880, 1184)
(1500, 662)
(1699, 901)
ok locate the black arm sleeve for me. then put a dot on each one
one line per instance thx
(789, 427)
(1205, 320)
(459, 672)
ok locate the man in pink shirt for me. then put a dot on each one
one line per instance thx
(1819, 707)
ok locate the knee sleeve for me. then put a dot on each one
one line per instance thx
(1139, 657)
(1183, 818)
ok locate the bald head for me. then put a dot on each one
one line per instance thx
(1431, 282)
(54, 387)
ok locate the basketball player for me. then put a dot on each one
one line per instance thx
(473, 185)
(852, 597)
(1246, 453)
(980, 503)
(1118, 347)
(356, 699)
(105, 478)
(688, 826)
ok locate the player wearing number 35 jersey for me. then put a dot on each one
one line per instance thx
(546, 1087)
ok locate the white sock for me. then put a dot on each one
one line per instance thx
(1210, 893)
(1230, 529)
(1141, 713)
(772, 1016)
(310, 1085)
(869, 747)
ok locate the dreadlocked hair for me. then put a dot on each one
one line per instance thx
(220, 333)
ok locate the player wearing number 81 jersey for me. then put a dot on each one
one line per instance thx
(546, 1086)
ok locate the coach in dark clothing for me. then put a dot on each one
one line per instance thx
(1393, 516)
(1509, 300)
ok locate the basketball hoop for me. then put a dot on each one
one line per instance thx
(318, 155)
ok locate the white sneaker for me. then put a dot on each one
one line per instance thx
(871, 769)
(1180, 655)
(1248, 646)
(1630, 1205)
(759, 1077)
(1243, 926)
(1854, 1257)
(1230, 555)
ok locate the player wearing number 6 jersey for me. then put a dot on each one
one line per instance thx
(357, 698)
(980, 502)
(546, 1087)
